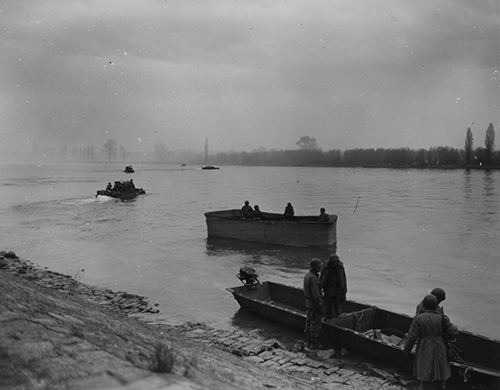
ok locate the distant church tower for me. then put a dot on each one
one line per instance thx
(206, 150)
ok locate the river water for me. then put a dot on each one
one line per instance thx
(400, 233)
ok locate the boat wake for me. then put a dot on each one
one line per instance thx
(100, 198)
(84, 201)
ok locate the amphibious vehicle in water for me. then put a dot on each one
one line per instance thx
(124, 190)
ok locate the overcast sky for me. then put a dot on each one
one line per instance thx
(246, 74)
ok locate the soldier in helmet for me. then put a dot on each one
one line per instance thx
(289, 212)
(427, 330)
(323, 216)
(334, 285)
(440, 296)
(314, 303)
(257, 213)
(246, 210)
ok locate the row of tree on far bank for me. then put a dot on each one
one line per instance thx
(310, 154)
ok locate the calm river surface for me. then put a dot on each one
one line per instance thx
(412, 230)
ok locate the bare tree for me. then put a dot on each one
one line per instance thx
(489, 142)
(468, 146)
(109, 149)
(307, 143)
(161, 152)
(122, 152)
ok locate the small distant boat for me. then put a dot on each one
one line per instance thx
(129, 169)
(272, 228)
(124, 190)
(369, 330)
(207, 166)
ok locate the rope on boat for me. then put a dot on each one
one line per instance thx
(357, 320)
(467, 374)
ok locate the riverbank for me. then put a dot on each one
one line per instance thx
(58, 333)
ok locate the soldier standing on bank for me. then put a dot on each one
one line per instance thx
(334, 285)
(314, 303)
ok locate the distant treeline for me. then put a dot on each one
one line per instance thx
(435, 157)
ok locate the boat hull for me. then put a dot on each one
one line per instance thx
(285, 305)
(273, 229)
(122, 195)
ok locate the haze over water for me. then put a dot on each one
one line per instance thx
(412, 230)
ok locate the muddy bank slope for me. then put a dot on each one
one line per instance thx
(57, 333)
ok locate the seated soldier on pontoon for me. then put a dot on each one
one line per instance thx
(323, 216)
(246, 210)
(257, 214)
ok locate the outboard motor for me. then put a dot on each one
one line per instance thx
(248, 277)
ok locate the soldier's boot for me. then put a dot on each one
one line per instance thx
(315, 344)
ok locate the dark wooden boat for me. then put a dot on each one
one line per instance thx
(370, 331)
(209, 167)
(300, 231)
(129, 169)
(124, 190)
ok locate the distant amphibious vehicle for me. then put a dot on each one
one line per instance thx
(209, 167)
(370, 331)
(272, 228)
(124, 190)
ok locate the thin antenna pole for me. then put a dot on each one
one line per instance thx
(206, 150)
(356, 207)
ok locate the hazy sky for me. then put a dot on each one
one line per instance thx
(245, 74)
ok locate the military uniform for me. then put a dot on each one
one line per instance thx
(314, 303)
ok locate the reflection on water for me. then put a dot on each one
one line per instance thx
(281, 257)
(489, 205)
(467, 184)
(480, 205)
(488, 184)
